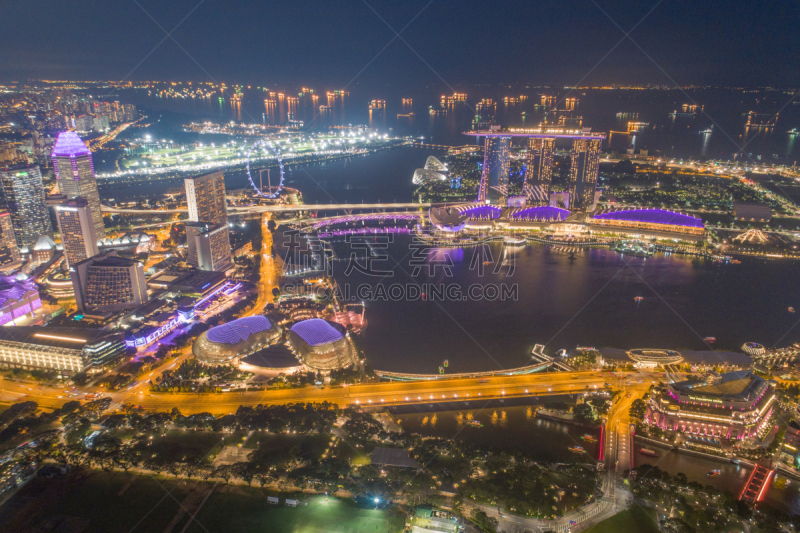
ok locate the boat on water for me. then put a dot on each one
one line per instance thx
(475, 423)
(648, 452)
(791, 309)
(710, 339)
(714, 473)
(589, 438)
(576, 449)
(638, 298)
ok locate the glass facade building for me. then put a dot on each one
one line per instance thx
(77, 230)
(24, 195)
(585, 157)
(494, 177)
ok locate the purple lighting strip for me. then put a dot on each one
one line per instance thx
(651, 216)
(544, 212)
(363, 231)
(357, 218)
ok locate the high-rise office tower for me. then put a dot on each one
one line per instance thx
(108, 283)
(9, 251)
(209, 246)
(77, 230)
(207, 236)
(24, 194)
(583, 172)
(72, 161)
(539, 171)
(205, 196)
(494, 178)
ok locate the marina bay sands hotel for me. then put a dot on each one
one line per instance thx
(585, 157)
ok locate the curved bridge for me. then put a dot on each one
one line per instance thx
(365, 217)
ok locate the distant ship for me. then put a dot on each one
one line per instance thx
(475, 423)
(589, 438)
(647, 452)
(710, 339)
(638, 298)
(714, 473)
(791, 309)
(576, 449)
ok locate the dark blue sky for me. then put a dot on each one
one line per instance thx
(327, 43)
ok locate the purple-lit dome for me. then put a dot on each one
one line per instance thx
(316, 331)
(238, 330)
(68, 144)
(321, 345)
(541, 213)
(651, 216)
(235, 339)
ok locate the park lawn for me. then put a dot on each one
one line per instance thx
(189, 446)
(239, 509)
(94, 496)
(634, 520)
(272, 442)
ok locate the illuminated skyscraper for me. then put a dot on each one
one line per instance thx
(205, 196)
(24, 195)
(207, 236)
(77, 230)
(539, 172)
(72, 161)
(9, 251)
(494, 178)
(209, 246)
(583, 172)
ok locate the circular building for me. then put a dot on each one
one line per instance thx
(321, 345)
(236, 339)
(652, 358)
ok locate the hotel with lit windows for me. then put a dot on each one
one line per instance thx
(734, 405)
(68, 350)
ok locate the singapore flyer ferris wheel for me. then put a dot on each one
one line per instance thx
(271, 191)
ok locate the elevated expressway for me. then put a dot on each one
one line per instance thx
(273, 208)
(476, 391)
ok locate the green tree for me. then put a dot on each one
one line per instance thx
(638, 408)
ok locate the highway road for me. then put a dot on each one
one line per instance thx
(376, 394)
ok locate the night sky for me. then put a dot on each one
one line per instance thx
(329, 43)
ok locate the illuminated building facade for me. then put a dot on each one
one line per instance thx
(209, 246)
(207, 236)
(734, 405)
(68, 350)
(18, 299)
(108, 283)
(74, 168)
(586, 147)
(585, 157)
(24, 192)
(205, 198)
(494, 178)
(9, 251)
(77, 230)
(539, 171)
